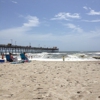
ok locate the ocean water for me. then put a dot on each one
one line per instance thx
(65, 56)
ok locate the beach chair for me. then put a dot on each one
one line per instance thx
(8, 58)
(24, 58)
(13, 62)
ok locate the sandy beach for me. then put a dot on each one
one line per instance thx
(46, 80)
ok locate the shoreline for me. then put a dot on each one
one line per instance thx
(62, 56)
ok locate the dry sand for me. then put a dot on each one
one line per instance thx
(40, 80)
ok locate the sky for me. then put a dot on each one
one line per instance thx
(70, 25)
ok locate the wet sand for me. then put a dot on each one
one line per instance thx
(43, 80)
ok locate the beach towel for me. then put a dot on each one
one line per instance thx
(18, 62)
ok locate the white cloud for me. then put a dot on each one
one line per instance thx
(19, 33)
(65, 16)
(92, 20)
(92, 12)
(14, 2)
(32, 21)
(85, 7)
(75, 28)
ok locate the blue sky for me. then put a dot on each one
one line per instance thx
(71, 25)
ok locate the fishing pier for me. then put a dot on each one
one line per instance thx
(28, 49)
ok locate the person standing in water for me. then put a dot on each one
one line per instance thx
(63, 58)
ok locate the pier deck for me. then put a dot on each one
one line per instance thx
(19, 49)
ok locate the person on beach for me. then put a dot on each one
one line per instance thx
(26, 57)
(2, 56)
(12, 59)
(63, 58)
